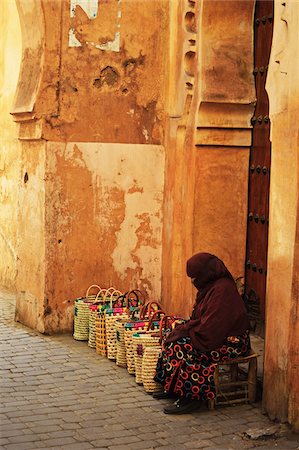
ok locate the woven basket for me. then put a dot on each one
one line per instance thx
(133, 302)
(107, 298)
(94, 311)
(121, 358)
(138, 326)
(149, 364)
(101, 342)
(81, 318)
(151, 353)
(111, 315)
(140, 343)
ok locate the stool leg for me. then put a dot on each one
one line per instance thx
(211, 404)
(252, 376)
(234, 372)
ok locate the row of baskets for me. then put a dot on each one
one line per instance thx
(124, 328)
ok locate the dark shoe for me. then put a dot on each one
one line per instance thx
(182, 406)
(163, 394)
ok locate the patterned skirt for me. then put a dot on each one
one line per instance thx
(190, 374)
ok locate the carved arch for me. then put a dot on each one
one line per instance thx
(33, 40)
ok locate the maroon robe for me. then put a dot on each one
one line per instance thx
(219, 310)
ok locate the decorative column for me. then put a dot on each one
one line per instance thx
(211, 101)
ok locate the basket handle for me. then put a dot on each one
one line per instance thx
(156, 313)
(163, 324)
(149, 309)
(141, 294)
(134, 291)
(90, 287)
(122, 297)
(101, 292)
(111, 294)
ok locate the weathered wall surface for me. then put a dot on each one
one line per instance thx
(210, 103)
(222, 177)
(95, 78)
(30, 282)
(10, 57)
(103, 71)
(281, 352)
(103, 222)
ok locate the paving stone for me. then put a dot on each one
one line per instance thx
(200, 443)
(18, 446)
(58, 391)
(9, 433)
(23, 438)
(59, 441)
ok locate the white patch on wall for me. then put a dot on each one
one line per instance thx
(73, 41)
(90, 7)
(137, 171)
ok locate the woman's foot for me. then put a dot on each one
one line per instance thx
(163, 394)
(183, 406)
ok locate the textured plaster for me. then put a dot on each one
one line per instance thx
(30, 282)
(10, 58)
(103, 222)
(220, 223)
(282, 334)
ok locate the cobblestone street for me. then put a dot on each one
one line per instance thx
(57, 393)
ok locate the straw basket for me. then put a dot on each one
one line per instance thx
(94, 311)
(151, 353)
(140, 343)
(111, 295)
(132, 301)
(149, 364)
(121, 358)
(138, 326)
(111, 315)
(81, 318)
(101, 343)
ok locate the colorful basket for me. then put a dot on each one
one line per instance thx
(133, 302)
(138, 326)
(101, 342)
(140, 343)
(111, 315)
(149, 364)
(81, 317)
(151, 353)
(94, 311)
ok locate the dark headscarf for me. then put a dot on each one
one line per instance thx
(206, 269)
(219, 311)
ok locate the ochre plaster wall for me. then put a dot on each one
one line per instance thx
(99, 213)
(281, 385)
(210, 103)
(103, 220)
(220, 223)
(89, 94)
(30, 282)
(10, 57)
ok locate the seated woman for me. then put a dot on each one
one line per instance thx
(217, 330)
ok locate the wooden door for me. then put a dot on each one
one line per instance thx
(259, 168)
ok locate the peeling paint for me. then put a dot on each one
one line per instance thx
(90, 7)
(145, 133)
(73, 41)
(127, 183)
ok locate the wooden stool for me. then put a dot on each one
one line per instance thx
(234, 384)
